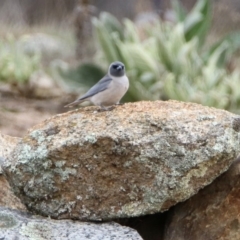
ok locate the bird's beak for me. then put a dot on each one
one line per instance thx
(119, 68)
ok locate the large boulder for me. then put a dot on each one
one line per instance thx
(213, 213)
(138, 159)
(19, 225)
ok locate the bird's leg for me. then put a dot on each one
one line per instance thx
(118, 103)
(103, 108)
(110, 108)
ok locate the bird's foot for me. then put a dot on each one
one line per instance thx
(103, 108)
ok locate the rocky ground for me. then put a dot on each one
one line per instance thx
(18, 114)
(143, 171)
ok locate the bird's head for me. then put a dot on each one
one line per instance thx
(116, 69)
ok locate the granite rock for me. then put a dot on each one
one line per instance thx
(19, 225)
(213, 213)
(7, 144)
(7, 198)
(140, 158)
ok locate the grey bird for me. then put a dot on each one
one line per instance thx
(109, 90)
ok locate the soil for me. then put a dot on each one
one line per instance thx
(18, 114)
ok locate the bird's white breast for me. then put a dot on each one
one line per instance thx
(122, 83)
(113, 94)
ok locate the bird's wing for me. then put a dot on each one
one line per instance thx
(98, 87)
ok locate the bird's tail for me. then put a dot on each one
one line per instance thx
(74, 103)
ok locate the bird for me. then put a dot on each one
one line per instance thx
(109, 90)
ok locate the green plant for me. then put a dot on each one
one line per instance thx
(16, 66)
(197, 22)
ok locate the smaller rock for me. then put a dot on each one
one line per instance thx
(213, 213)
(7, 198)
(18, 225)
(7, 144)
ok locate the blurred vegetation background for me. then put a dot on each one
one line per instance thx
(186, 50)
